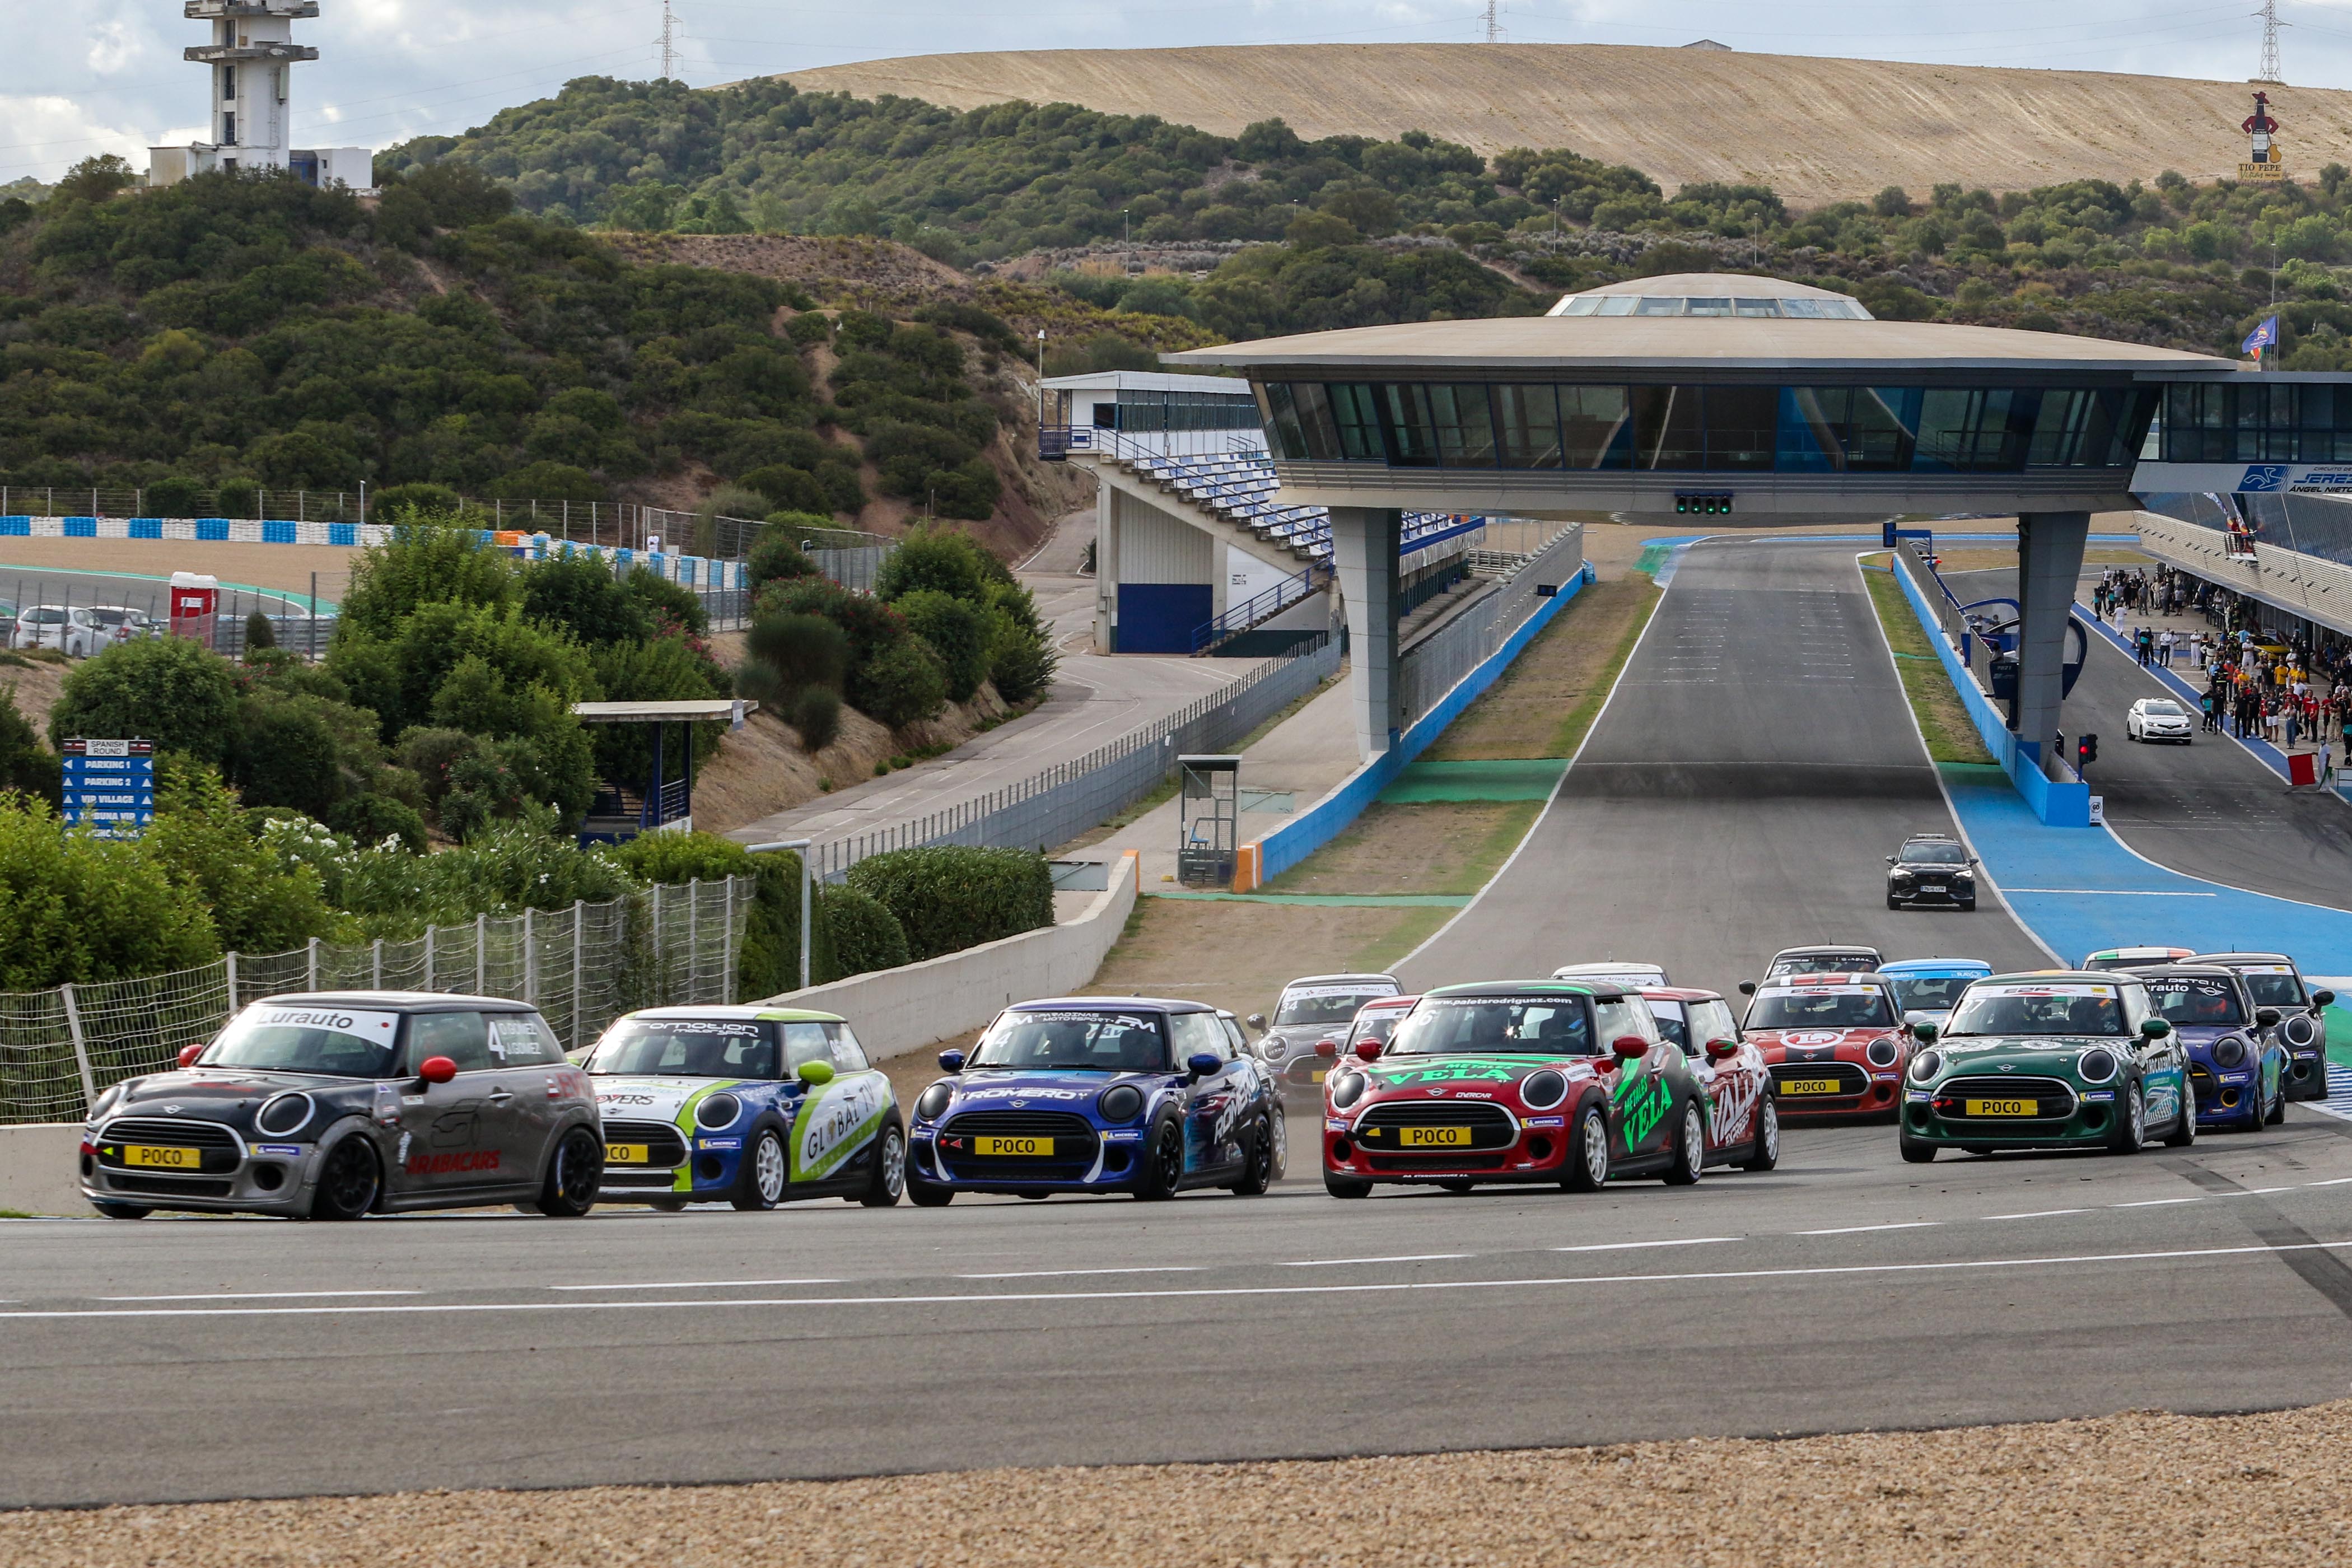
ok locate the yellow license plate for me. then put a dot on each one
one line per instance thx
(1813, 1086)
(1013, 1146)
(163, 1159)
(629, 1154)
(2004, 1107)
(1432, 1137)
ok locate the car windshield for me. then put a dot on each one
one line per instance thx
(1847, 962)
(1671, 1022)
(2128, 959)
(688, 1047)
(2040, 1010)
(2200, 1001)
(1470, 1025)
(1326, 1003)
(2275, 988)
(2159, 709)
(1934, 855)
(1822, 1007)
(1930, 993)
(110, 618)
(1086, 1040)
(334, 1042)
(42, 616)
(1379, 1023)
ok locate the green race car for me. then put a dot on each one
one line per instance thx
(2056, 1061)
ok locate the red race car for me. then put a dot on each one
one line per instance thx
(1739, 1085)
(1836, 1044)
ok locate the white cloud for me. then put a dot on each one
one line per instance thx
(45, 135)
(113, 45)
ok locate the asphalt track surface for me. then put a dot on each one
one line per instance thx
(201, 1358)
(25, 586)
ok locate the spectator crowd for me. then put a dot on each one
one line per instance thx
(2257, 683)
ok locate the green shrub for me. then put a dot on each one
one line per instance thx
(942, 561)
(579, 594)
(950, 897)
(389, 503)
(815, 716)
(287, 753)
(809, 326)
(659, 597)
(788, 491)
(177, 496)
(802, 651)
(866, 935)
(374, 819)
(1022, 663)
(74, 907)
(903, 683)
(239, 498)
(164, 689)
(676, 858)
(26, 765)
(256, 904)
(775, 557)
(430, 559)
(769, 961)
(957, 630)
(430, 754)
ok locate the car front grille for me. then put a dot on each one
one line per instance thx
(1851, 1081)
(629, 1178)
(2052, 1100)
(172, 1187)
(218, 1145)
(665, 1144)
(1072, 1154)
(1384, 1127)
(1460, 1160)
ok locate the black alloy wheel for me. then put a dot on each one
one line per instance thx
(1257, 1170)
(1164, 1162)
(888, 1182)
(347, 1181)
(574, 1175)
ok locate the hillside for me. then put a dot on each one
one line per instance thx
(1814, 129)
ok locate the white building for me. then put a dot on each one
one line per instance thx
(251, 62)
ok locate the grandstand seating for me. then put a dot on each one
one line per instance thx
(1239, 487)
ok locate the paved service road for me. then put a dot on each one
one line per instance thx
(50, 585)
(1740, 794)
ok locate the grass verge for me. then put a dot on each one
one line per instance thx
(1568, 669)
(1951, 738)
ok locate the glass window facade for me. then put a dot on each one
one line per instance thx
(2216, 421)
(1155, 411)
(1723, 428)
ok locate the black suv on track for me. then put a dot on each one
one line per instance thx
(1931, 869)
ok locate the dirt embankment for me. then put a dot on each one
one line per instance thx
(1815, 130)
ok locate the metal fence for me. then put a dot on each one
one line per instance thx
(1435, 664)
(581, 967)
(1056, 805)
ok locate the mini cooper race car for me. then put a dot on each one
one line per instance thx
(1740, 1112)
(2057, 1060)
(1089, 1094)
(2273, 980)
(1372, 1025)
(1926, 988)
(333, 1105)
(752, 1106)
(1558, 1082)
(2134, 957)
(1313, 1010)
(1836, 1044)
(1931, 869)
(1834, 958)
(1616, 972)
(2237, 1066)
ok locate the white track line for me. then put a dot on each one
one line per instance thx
(2158, 1203)
(1859, 1229)
(255, 1295)
(2037, 1213)
(1066, 1273)
(1629, 1245)
(1345, 1262)
(695, 1285)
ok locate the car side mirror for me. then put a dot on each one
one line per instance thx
(437, 1069)
(2266, 1018)
(1326, 1048)
(1890, 859)
(1718, 1049)
(1203, 1064)
(2155, 1029)
(1256, 1020)
(814, 1074)
(1923, 1032)
(1632, 1047)
(951, 1061)
(1747, 988)
(188, 1054)
(1367, 1050)
(2322, 998)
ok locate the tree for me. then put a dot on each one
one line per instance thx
(940, 560)
(958, 631)
(169, 691)
(430, 559)
(26, 765)
(74, 907)
(580, 595)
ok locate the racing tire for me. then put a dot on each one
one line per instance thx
(889, 1182)
(1257, 1170)
(1767, 1152)
(122, 1211)
(1893, 903)
(1164, 1162)
(1457, 1186)
(668, 1205)
(574, 1175)
(1915, 1151)
(766, 1175)
(2185, 1134)
(2131, 1121)
(349, 1181)
(926, 1194)
(1967, 905)
(2278, 1105)
(1346, 1187)
(1690, 1147)
(1587, 1153)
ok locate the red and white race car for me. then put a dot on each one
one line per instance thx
(1834, 1043)
(1738, 1084)
(1374, 1022)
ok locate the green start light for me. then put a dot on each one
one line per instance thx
(1709, 503)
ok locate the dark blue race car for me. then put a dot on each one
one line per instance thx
(1087, 1095)
(2237, 1063)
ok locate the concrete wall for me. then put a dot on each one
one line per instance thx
(896, 1011)
(1155, 547)
(38, 1168)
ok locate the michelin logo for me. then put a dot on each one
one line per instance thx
(2261, 476)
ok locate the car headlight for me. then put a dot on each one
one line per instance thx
(933, 1103)
(1272, 1047)
(1120, 1102)
(108, 1102)
(1925, 1066)
(1882, 1052)
(1543, 1090)
(284, 1116)
(1347, 1088)
(2228, 1051)
(2096, 1067)
(718, 1110)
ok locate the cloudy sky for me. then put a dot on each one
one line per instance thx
(105, 76)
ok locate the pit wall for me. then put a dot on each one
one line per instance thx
(2057, 804)
(37, 1173)
(896, 1011)
(1263, 860)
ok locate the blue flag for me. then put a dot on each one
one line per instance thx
(2262, 337)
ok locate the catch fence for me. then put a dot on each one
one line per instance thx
(582, 967)
(1435, 664)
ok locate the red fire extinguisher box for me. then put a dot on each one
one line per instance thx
(195, 598)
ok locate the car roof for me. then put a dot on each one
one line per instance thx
(1681, 994)
(1827, 977)
(2228, 958)
(1505, 990)
(1340, 980)
(396, 1002)
(2184, 972)
(744, 1014)
(1935, 968)
(1931, 838)
(1110, 1005)
(1399, 1000)
(1824, 947)
(2098, 977)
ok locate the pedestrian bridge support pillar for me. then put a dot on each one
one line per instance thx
(2049, 563)
(1364, 543)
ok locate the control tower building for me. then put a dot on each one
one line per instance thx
(250, 61)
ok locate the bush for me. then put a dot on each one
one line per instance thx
(428, 561)
(802, 651)
(26, 765)
(580, 595)
(286, 753)
(950, 897)
(903, 683)
(374, 819)
(658, 596)
(788, 490)
(816, 715)
(871, 625)
(164, 689)
(1022, 663)
(957, 630)
(775, 558)
(178, 496)
(239, 498)
(866, 936)
(258, 903)
(74, 907)
(259, 634)
(942, 561)
(769, 964)
(388, 504)
(678, 858)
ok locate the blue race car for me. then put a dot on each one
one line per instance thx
(2237, 1063)
(1927, 988)
(1090, 1095)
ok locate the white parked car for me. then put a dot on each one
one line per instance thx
(1626, 974)
(2159, 719)
(122, 624)
(72, 631)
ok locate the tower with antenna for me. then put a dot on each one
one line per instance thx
(249, 67)
(1493, 23)
(2271, 25)
(668, 43)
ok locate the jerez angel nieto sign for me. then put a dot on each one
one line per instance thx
(448, 1164)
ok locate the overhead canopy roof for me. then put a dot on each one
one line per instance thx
(700, 710)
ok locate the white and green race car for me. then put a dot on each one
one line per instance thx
(754, 1105)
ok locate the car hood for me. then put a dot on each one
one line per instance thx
(208, 1094)
(636, 1097)
(1820, 1045)
(2034, 1054)
(1041, 1088)
(1296, 1037)
(1446, 1074)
